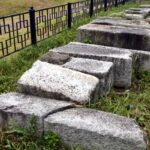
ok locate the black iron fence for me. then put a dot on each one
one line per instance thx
(24, 29)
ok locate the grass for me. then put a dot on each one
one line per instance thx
(133, 103)
(14, 6)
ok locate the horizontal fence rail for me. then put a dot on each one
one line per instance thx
(24, 29)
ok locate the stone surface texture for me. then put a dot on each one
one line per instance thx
(121, 22)
(116, 36)
(101, 69)
(122, 59)
(17, 109)
(55, 58)
(96, 130)
(54, 81)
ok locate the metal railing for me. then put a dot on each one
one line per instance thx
(20, 30)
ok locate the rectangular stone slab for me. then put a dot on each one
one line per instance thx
(17, 109)
(96, 130)
(116, 36)
(122, 59)
(121, 22)
(101, 69)
(53, 81)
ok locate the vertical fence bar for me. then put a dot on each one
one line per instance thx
(123, 2)
(105, 5)
(32, 25)
(116, 3)
(69, 15)
(91, 8)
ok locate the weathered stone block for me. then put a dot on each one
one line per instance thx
(122, 59)
(121, 22)
(101, 69)
(116, 36)
(17, 109)
(96, 130)
(54, 81)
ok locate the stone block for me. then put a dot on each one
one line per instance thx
(122, 59)
(96, 130)
(53, 81)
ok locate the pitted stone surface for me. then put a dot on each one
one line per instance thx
(101, 69)
(122, 59)
(19, 109)
(121, 22)
(54, 81)
(133, 16)
(143, 11)
(96, 130)
(145, 6)
(55, 58)
(116, 36)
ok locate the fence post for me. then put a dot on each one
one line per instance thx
(91, 8)
(123, 2)
(32, 25)
(69, 15)
(116, 3)
(105, 5)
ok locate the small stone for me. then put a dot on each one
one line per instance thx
(53, 81)
(54, 58)
(96, 130)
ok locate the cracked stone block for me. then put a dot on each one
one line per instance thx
(115, 36)
(53, 81)
(122, 59)
(121, 22)
(101, 69)
(96, 130)
(55, 58)
(17, 109)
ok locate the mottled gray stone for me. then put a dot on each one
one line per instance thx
(143, 11)
(145, 6)
(137, 13)
(96, 130)
(121, 22)
(141, 59)
(17, 109)
(54, 81)
(55, 58)
(148, 19)
(101, 69)
(122, 59)
(116, 36)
